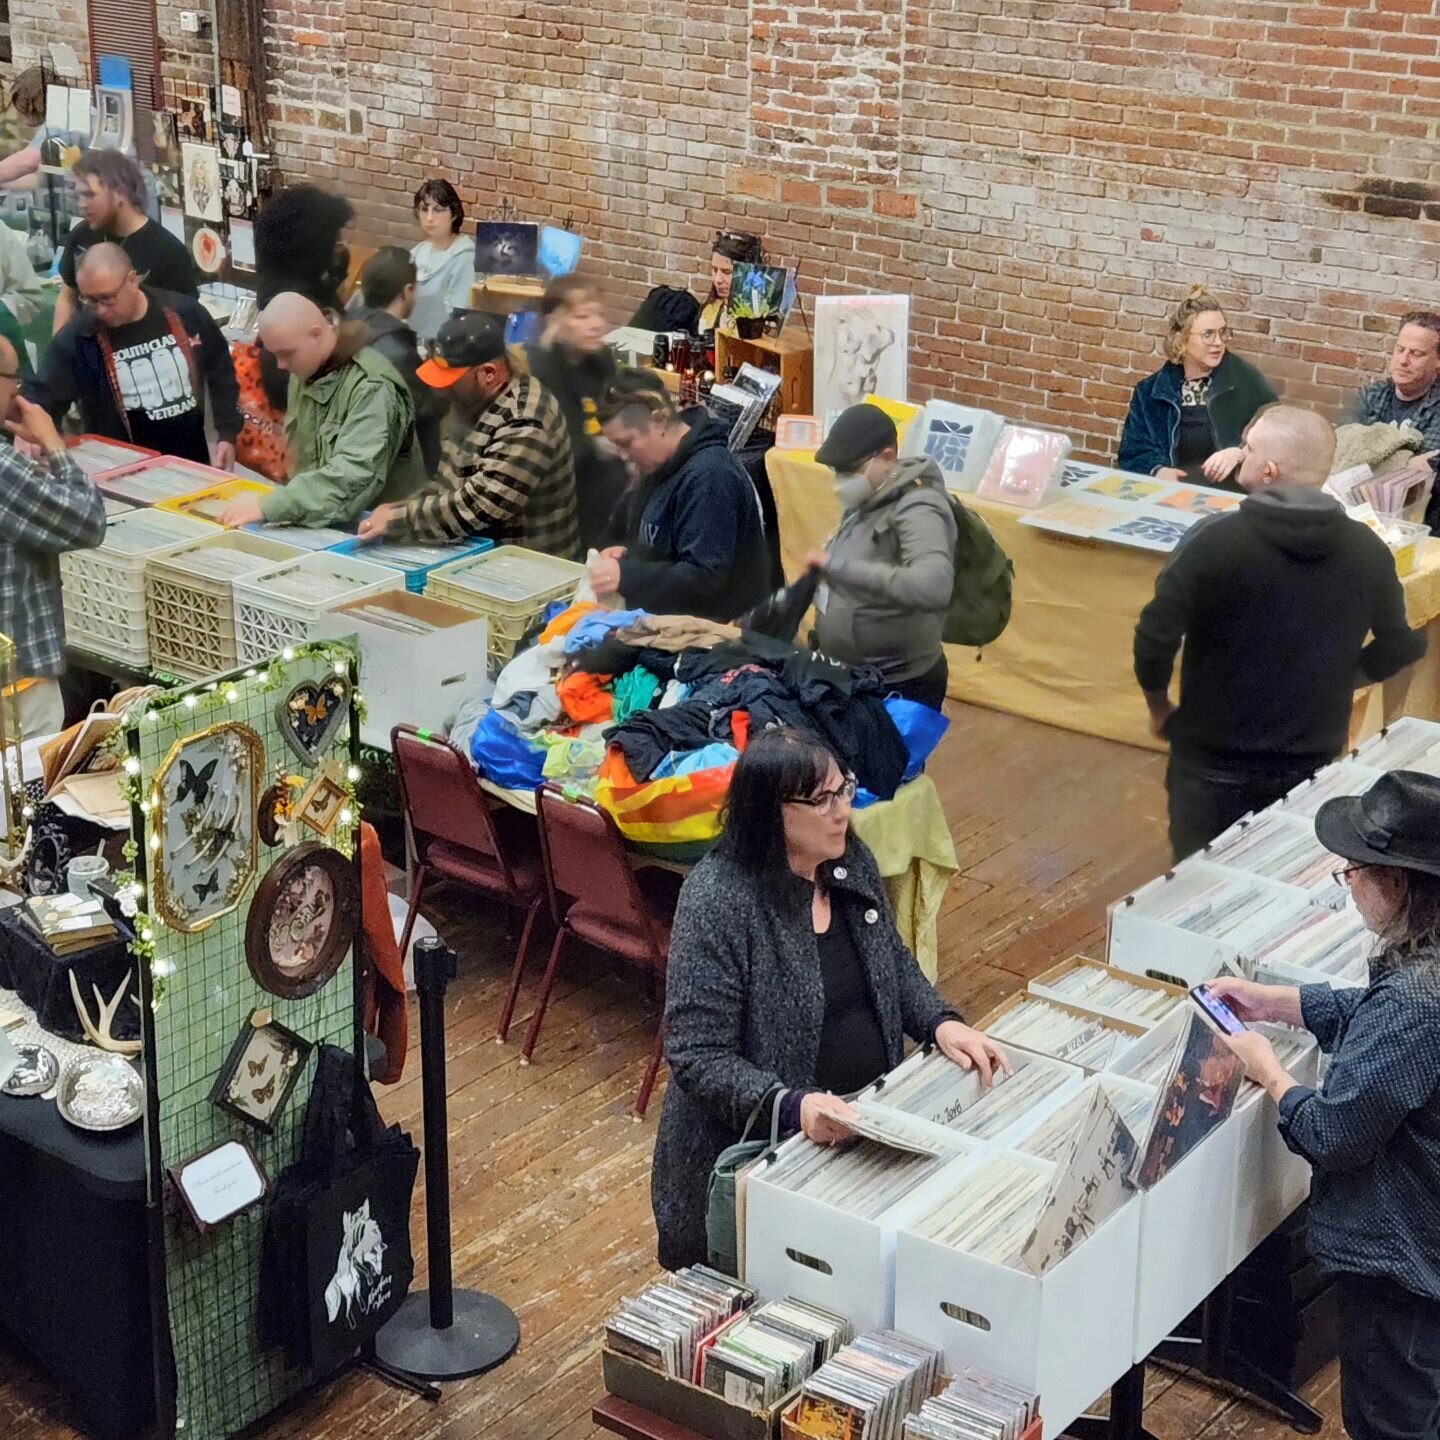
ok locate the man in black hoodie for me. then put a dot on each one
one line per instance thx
(695, 540)
(1274, 602)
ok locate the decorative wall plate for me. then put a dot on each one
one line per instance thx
(206, 794)
(312, 713)
(302, 920)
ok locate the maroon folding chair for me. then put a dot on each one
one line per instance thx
(597, 896)
(458, 836)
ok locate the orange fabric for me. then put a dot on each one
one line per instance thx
(385, 1002)
(567, 620)
(582, 699)
(740, 729)
(261, 442)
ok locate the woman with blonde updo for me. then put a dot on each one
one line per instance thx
(1187, 420)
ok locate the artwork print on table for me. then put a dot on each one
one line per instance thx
(861, 347)
(1160, 531)
(311, 715)
(1200, 502)
(205, 795)
(1134, 488)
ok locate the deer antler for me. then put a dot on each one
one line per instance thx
(98, 1031)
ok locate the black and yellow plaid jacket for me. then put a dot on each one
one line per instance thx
(506, 476)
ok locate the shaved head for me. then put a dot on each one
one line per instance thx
(1287, 445)
(103, 266)
(298, 333)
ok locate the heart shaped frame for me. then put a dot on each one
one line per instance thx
(311, 715)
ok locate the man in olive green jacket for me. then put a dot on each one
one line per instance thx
(350, 422)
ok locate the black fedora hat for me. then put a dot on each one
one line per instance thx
(1395, 822)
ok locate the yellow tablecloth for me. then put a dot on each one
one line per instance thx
(911, 842)
(1065, 658)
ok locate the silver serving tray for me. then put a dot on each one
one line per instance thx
(119, 1078)
(35, 1074)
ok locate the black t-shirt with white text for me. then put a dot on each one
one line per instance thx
(155, 379)
(161, 261)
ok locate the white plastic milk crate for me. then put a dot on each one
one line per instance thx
(1271, 1181)
(1187, 925)
(103, 590)
(1066, 1334)
(190, 600)
(802, 1245)
(275, 608)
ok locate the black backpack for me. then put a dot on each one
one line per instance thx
(666, 308)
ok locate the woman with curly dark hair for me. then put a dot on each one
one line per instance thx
(444, 259)
(298, 245)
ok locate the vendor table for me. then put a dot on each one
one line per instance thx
(74, 1288)
(911, 843)
(1066, 656)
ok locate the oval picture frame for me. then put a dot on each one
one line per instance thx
(298, 881)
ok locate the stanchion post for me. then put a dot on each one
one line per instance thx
(442, 1333)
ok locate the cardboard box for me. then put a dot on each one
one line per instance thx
(407, 678)
(682, 1403)
(1066, 1334)
(1042, 987)
(1124, 1031)
(797, 1245)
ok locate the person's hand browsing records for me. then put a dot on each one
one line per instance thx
(825, 1118)
(971, 1049)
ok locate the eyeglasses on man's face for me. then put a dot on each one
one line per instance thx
(1343, 874)
(99, 302)
(825, 802)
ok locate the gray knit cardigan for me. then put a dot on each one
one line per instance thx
(744, 1003)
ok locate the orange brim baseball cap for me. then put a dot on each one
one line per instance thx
(440, 376)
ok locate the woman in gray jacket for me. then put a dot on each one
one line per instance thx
(889, 570)
(787, 983)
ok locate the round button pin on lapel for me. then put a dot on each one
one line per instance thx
(871, 916)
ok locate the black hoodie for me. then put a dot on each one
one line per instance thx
(698, 545)
(1274, 602)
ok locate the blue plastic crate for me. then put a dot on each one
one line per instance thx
(416, 560)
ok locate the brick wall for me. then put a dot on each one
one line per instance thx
(35, 24)
(1044, 178)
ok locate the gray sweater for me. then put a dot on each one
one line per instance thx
(891, 575)
(744, 1005)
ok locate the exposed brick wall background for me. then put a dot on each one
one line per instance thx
(1045, 178)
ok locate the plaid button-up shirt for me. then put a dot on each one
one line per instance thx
(506, 475)
(46, 508)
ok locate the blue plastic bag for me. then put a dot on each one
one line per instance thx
(921, 728)
(503, 755)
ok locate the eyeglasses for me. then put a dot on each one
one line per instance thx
(824, 803)
(1211, 336)
(94, 302)
(1343, 874)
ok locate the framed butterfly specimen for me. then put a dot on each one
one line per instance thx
(205, 797)
(302, 920)
(261, 1071)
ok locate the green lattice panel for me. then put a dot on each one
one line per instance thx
(223, 1380)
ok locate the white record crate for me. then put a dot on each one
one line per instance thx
(103, 590)
(276, 608)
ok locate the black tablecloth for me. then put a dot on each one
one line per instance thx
(74, 1289)
(41, 978)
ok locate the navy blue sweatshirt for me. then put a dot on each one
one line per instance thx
(698, 547)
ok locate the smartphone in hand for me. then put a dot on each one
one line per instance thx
(1217, 1011)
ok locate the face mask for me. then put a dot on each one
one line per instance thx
(851, 490)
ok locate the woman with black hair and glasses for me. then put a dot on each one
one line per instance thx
(787, 982)
(444, 259)
(1371, 1132)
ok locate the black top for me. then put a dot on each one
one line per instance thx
(160, 260)
(1274, 602)
(852, 1049)
(1194, 442)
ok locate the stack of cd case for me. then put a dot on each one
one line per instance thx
(976, 1406)
(663, 1325)
(867, 1390)
(758, 1359)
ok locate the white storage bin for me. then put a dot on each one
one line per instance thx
(1346, 777)
(1186, 1236)
(1280, 848)
(1144, 938)
(801, 1246)
(410, 676)
(277, 607)
(1056, 984)
(1271, 1181)
(1399, 746)
(1066, 1335)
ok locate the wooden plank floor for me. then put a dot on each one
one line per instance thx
(550, 1176)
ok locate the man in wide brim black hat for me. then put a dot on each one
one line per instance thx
(1396, 823)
